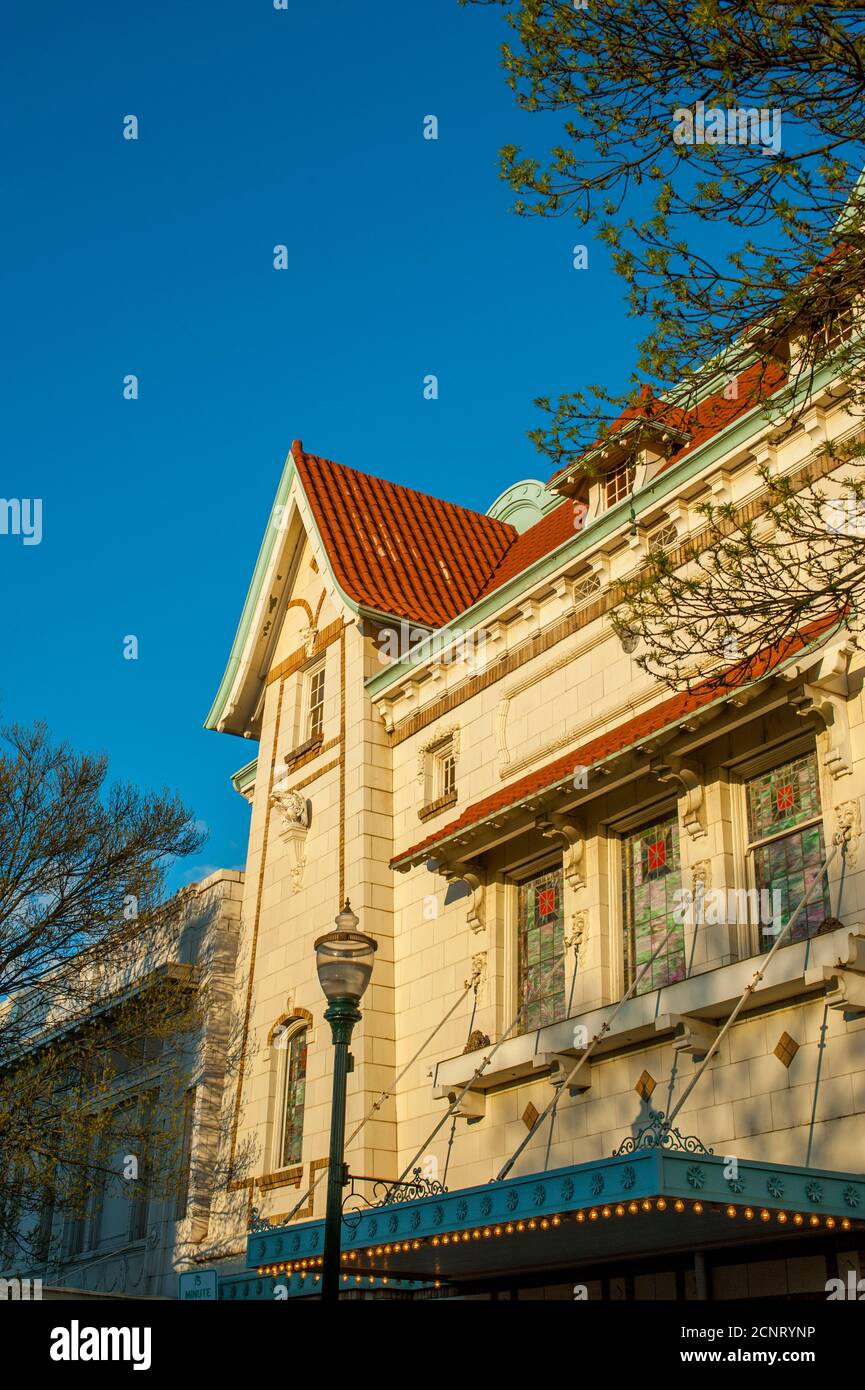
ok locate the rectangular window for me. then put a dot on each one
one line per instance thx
(42, 1244)
(444, 771)
(618, 484)
(185, 1154)
(541, 946)
(315, 702)
(785, 831)
(73, 1235)
(838, 327)
(652, 875)
(294, 1099)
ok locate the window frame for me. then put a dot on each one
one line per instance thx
(786, 751)
(292, 1030)
(311, 708)
(626, 471)
(517, 877)
(623, 829)
(444, 771)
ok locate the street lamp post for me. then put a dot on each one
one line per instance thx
(344, 961)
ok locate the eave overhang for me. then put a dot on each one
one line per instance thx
(470, 835)
(237, 699)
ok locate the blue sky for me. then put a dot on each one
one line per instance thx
(155, 257)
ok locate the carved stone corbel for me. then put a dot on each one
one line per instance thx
(845, 990)
(472, 1105)
(693, 1036)
(825, 694)
(385, 713)
(855, 959)
(845, 980)
(573, 832)
(465, 873)
(689, 777)
(560, 1066)
(293, 810)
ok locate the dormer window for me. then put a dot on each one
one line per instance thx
(619, 482)
(838, 328)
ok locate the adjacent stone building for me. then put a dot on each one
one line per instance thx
(133, 1234)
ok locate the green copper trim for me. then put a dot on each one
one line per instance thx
(253, 593)
(244, 776)
(253, 596)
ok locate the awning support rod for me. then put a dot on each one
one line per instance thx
(385, 1095)
(601, 1033)
(840, 843)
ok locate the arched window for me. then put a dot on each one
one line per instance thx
(292, 1094)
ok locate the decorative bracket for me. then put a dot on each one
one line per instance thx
(464, 873)
(845, 990)
(845, 980)
(294, 811)
(825, 695)
(689, 777)
(472, 1106)
(385, 712)
(660, 1134)
(573, 832)
(561, 1065)
(692, 1036)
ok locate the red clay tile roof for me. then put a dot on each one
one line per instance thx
(539, 540)
(621, 738)
(399, 551)
(706, 419)
(413, 556)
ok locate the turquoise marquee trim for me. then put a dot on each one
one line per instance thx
(646, 1173)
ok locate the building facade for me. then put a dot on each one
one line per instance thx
(133, 1233)
(559, 858)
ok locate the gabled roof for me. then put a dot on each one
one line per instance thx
(398, 551)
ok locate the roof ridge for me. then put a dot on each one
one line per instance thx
(492, 521)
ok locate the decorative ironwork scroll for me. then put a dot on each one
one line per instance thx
(658, 1134)
(387, 1191)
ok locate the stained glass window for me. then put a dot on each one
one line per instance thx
(788, 799)
(652, 877)
(293, 1100)
(541, 949)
